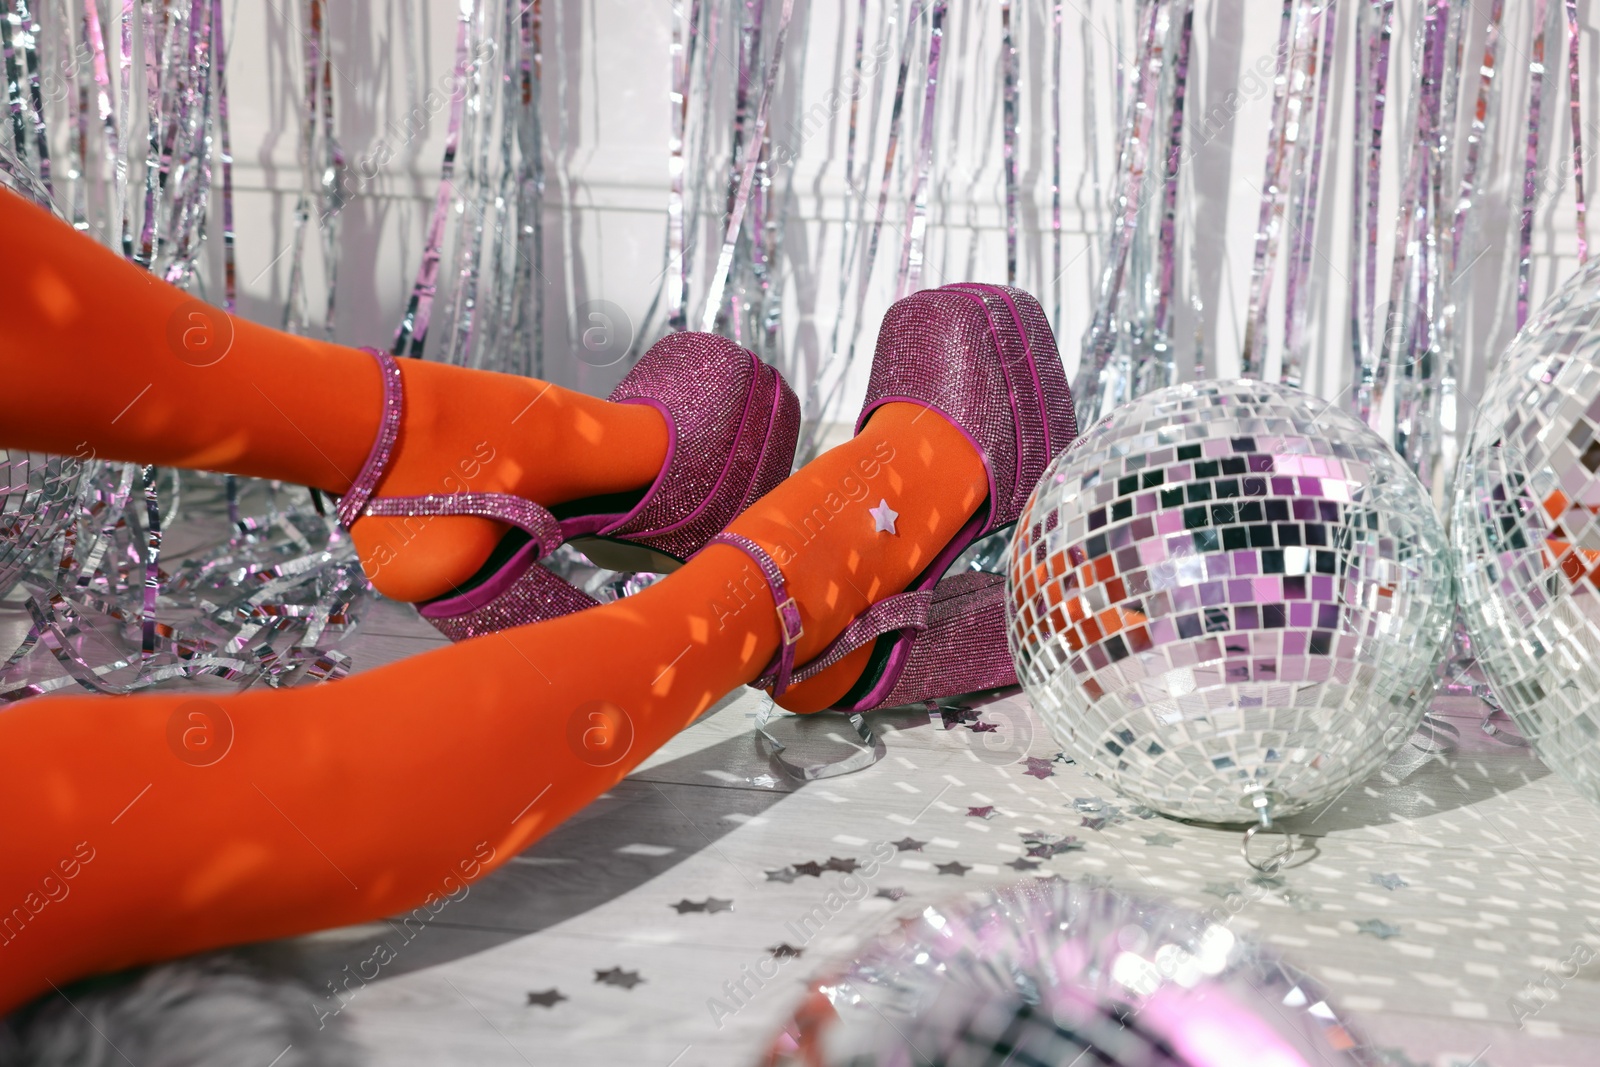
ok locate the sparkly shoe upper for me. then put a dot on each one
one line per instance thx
(723, 456)
(982, 356)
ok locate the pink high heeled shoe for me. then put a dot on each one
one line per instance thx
(733, 424)
(983, 357)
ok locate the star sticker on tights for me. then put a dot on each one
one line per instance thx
(547, 999)
(955, 867)
(1377, 928)
(883, 517)
(618, 977)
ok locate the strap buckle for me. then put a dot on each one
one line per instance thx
(789, 621)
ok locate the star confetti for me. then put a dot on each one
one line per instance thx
(1089, 804)
(1222, 889)
(1044, 849)
(618, 977)
(1300, 901)
(1377, 928)
(786, 951)
(890, 893)
(1160, 840)
(845, 866)
(956, 715)
(710, 904)
(909, 844)
(1039, 767)
(786, 875)
(985, 812)
(1267, 881)
(1390, 882)
(810, 867)
(883, 517)
(1095, 822)
(955, 867)
(1020, 864)
(547, 999)
(982, 727)
(764, 781)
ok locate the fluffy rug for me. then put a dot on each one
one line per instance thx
(205, 1012)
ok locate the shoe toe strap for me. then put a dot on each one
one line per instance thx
(525, 515)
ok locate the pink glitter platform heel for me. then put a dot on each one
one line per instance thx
(733, 424)
(983, 357)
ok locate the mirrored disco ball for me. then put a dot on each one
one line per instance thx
(37, 495)
(1227, 599)
(1052, 972)
(1524, 527)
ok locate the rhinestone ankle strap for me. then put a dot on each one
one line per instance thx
(355, 499)
(788, 611)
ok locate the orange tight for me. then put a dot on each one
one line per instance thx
(362, 798)
(103, 360)
(374, 795)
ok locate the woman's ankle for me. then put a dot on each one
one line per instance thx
(861, 523)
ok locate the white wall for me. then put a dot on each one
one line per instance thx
(613, 66)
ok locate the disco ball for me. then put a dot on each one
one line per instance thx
(1524, 528)
(1227, 600)
(37, 494)
(1059, 973)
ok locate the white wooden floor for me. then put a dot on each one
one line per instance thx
(614, 939)
(1491, 861)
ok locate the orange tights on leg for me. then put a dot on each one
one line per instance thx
(362, 798)
(102, 360)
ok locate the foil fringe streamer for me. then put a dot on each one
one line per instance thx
(106, 615)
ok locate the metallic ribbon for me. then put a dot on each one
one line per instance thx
(413, 332)
(1530, 162)
(1573, 103)
(1374, 29)
(1008, 121)
(912, 251)
(1293, 28)
(719, 276)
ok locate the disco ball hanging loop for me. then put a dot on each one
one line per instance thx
(1526, 535)
(1227, 599)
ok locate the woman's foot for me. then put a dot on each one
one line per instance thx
(696, 432)
(467, 431)
(969, 372)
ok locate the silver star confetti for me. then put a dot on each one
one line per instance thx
(1377, 928)
(618, 977)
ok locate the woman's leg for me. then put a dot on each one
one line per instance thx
(366, 797)
(102, 360)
